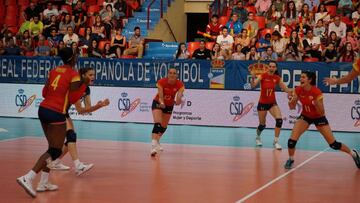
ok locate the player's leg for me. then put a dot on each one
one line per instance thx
(276, 114)
(262, 124)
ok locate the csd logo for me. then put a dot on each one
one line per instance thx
(124, 102)
(236, 107)
(355, 113)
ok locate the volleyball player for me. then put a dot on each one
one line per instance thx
(170, 92)
(313, 112)
(71, 137)
(63, 86)
(267, 102)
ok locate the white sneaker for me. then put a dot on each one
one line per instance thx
(159, 147)
(57, 165)
(83, 168)
(154, 150)
(27, 185)
(42, 187)
(258, 141)
(277, 146)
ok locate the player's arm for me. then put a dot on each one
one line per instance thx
(255, 81)
(88, 108)
(293, 100)
(345, 79)
(319, 105)
(161, 95)
(45, 89)
(179, 95)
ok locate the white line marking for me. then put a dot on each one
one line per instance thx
(3, 130)
(12, 139)
(280, 177)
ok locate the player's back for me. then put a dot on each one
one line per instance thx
(58, 87)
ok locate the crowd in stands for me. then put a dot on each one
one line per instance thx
(297, 30)
(92, 30)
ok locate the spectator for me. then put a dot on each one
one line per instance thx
(202, 52)
(12, 49)
(251, 25)
(107, 16)
(264, 42)
(312, 45)
(282, 27)
(272, 16)
(79, 15)
(50, 10)
(278, 43)
(292, 53)
(70, 37)
(234, 25)
(262, 6)
(225, 40)
(136, 44)
(330, 2)
(303, 27)
(243, 38)
(215, 52)
(252, 55)
(347, 53)
(313, 4)
(238, 55)
(65, 23)
(296, 41)
(36, 28)
(26, 43)
(2, 48)
(240, 11)
(320, 29)
(322, 14)
(338, 27)
(120, 7)
(182, 52)
(107, 53)
(118, 43)
(54, 41)
(214, 27)
(279, 5)
(32, 11)
(345, 6)
(305, 13)
(61, 46)
(108, 2)
(351, 39)
(98, 29)
(290, 13)
(333, 39)
(218, 7)
(86, 40)
(42, 49)
(9, 35)
(93, 50)
(75, 48)
(298, 4)
(269, 55)
(330, 53)
(51, 25)
(356, 14)
(225, 54)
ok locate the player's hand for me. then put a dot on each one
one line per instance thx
(178, 102)
(106, 102)
(330, 81)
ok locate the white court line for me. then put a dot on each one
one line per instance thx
(3, 130)
(12, 139)
(280, 177)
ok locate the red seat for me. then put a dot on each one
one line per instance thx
(250, 9)
(91, 2)
(266, 31)
(260, 20)
(93, 9)
(66, 8)
(223, 20)
(23, 2)
(100, 2)
(128, 57)
(10, 2)
(13, 29)
(209, 45)
(311, 60)
(347, 21)
(192, 46)
(102, 44)
(331, 10)
(11, 21)
(82, 31)
(12, 10)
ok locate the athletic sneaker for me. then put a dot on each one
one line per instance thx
(159, 147)
(57, 165)
(42, 187)
(289, 163)
(27, 185)
(83, 168)
(258, 141)
(356, 158)
(277, 146)
(154, 150)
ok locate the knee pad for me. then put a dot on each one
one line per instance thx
(291, 143)
(261, 127)
(157, 128)
(336, 145)
(279, 122)
(54, 153)
(70, 136)
(163, 130)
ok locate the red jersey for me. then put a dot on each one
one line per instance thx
(214, 30)
(169, 90)
(307, 99)
(56, 91)
(268, 84)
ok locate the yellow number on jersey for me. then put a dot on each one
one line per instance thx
(269, 92)
(307, 108)
(54, 84)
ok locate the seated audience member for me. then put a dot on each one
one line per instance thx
(182, 52)
(42, 49)
(225, 40)
(330, 53)
(202, 52)
(136, 44)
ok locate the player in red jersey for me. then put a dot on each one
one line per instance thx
(71, 137)
(267, 102)
(170, 92)
(347, 78)
(313, 112)
(61, 88)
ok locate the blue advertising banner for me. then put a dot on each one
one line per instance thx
(196, 74)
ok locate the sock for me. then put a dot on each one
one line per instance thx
(353, 153)
(44, 177)
(291, 158)
(77, 163)
(154, 142)
(258, 132)
(31, 174)
(276, 139)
